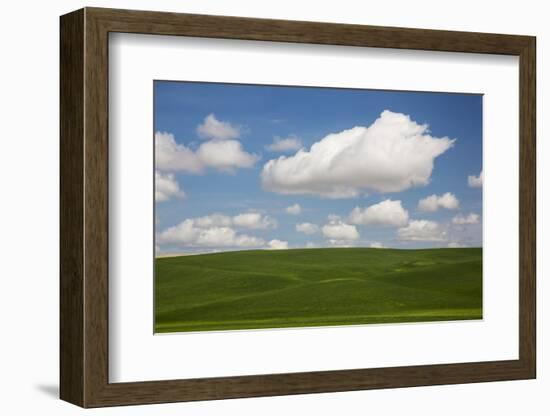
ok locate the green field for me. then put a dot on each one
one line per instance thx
(316, 287)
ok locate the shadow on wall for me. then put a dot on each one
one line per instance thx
(51, 390)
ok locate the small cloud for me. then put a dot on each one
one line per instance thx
(250, 220)
(289, 144)
(226, 155)
(223, 155)
(475, 181)
(466, 220)
(309, 244)
(173, 156)
(277, 245)
(433, 202)
(166, 187)
(341, 243)
(377, 244)
(217, 231)
(422, 230)
(212, 128)
(254, 220)
(339, 233)
(190, 233)
(307, 228)
(454, 244)
(387, 212)
(295, 209)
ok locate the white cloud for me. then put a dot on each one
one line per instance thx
(173, 156)
(338, 232)
(189, 234)
(310, 244)
(220, 231)
(213, 220)
(307, 228)
(166, 187)
(433, 202)
(254, 220)
(288, 144)
(454, 244)
(225, 155)
(376, 244)
(250, 220)
(475, 181)
(277, 245)
(295, 209)
(465, 220)
(212, 128)
(341, 243)
(387, 212)
(422, 230)
(391, 155)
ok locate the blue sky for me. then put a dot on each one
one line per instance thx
(231, 150)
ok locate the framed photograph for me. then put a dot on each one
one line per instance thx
(255, 207)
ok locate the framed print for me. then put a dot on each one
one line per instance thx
(257, 207)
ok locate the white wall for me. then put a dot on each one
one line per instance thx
(29, 208)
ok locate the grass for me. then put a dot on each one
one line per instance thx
(316, 287)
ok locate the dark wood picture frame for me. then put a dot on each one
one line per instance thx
(84, 207)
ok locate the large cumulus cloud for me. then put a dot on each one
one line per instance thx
(391, 155)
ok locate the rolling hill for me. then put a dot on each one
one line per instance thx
(316, 287)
